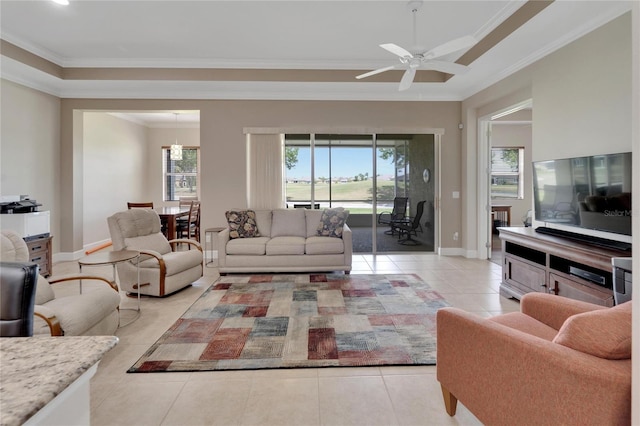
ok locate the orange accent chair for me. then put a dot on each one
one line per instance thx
(558, 361)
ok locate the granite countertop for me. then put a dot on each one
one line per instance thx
(34, 370)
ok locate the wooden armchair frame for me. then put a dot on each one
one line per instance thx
(49, 317)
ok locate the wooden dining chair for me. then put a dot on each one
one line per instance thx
(190, 228)
(186, 200)
(140, 205)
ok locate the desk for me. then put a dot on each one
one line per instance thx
(112, 258)
(502, 214)
(169, 214)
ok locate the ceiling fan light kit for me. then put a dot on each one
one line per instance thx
(427, 60)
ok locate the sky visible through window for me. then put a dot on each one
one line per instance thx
(345, 162)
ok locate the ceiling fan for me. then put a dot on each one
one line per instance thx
(427, 60)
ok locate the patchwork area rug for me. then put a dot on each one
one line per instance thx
(301, 320)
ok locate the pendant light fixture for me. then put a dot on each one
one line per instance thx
(176, 148)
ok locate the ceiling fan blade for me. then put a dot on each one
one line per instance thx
(407, 79)
(397, 50)
(450, 47)
(443, 66)
(378, 71)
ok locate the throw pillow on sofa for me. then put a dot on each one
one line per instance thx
(242, 224)
(332, 222)
(605, 333)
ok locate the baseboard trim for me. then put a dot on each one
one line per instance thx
(458, 251)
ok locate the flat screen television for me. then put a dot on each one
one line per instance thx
(586, 195)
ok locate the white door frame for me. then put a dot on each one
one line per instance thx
(484, 175)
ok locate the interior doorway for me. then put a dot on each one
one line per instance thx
(505, 180)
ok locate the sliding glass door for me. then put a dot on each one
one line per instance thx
(364, 173)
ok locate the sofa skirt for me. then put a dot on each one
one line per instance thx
(285, 263)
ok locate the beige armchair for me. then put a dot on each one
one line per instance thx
(163, 268)
(557, 362)
(94, 312)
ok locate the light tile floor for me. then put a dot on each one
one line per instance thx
(327, 396)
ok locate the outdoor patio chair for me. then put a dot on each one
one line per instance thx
(398, 214)
(409, 228)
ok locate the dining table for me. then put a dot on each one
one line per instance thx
(169, 216)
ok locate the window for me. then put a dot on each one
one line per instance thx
(181, 177)
(506, 172)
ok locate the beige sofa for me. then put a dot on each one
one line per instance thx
(287, 241)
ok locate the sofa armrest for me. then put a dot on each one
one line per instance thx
(506, 376)
(553, 310)
(48, 316)
(223, 239)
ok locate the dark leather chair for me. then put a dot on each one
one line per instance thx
(17, 298)
(410, 228)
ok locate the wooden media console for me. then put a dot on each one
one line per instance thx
(544, 263)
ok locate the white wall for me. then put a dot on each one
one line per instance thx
(581, 106)
(30, 149)
(223, 144)
(582, 95)
(115, 159)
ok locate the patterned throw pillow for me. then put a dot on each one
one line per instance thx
(242, 224)
(332, 222)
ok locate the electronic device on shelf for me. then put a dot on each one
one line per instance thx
(589, 276)
(622, 279)
(21, 206)
(585, 198)
(21, 214)
(596, 241)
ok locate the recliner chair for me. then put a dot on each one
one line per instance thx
(17, 298)
(163, 268)
(95, 311)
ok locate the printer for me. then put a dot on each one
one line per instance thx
(20, 214)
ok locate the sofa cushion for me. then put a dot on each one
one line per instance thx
(324, 245)
(332, 222)
(288, 223)
(242, 224)
(285, 245)
(253, 246)
(605, 333)
(263, 219)
(313, 220)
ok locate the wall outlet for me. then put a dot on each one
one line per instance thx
(455, 236)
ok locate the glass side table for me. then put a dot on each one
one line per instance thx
(209, 234)
(113, 258)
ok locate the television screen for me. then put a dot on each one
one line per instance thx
(586, 192)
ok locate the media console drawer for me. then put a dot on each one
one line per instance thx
(40, 253)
